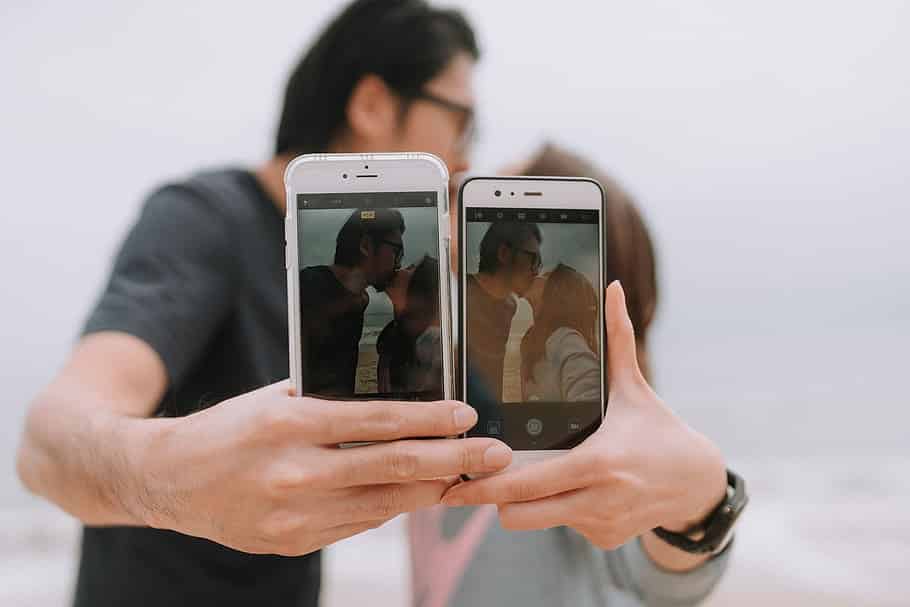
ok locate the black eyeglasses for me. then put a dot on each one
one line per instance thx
(398, 247)
(468, 121)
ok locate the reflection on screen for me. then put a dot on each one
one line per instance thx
(369, 295)
(532, 324)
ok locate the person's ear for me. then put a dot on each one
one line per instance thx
(366, 246)
(372, 109)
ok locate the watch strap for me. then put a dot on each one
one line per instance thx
(717, 528)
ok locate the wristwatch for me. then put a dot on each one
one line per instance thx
(712, 535)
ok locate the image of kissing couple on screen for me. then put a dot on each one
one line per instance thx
(370, 314)
(532, 314)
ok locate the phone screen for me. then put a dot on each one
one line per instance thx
(532, 324)
(369, 295)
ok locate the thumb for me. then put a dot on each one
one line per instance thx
(622, 360)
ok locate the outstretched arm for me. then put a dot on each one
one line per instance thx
(261, 472)
(86, 433)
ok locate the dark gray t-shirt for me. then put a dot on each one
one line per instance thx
(201, 279)
(334, 324)
(488, 330)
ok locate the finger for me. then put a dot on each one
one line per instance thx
(549, 512)
(334, 422)
(400, 461)
(622, 361)
(374, 502)
(531, 482)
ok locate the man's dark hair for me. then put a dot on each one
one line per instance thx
(375, 223)
(511, 233)
(405, 42)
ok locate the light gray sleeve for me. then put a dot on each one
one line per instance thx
(579, 369)
(632, 570)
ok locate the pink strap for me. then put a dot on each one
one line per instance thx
(438, 564)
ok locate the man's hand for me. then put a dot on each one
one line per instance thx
(642, 469)
(263, 473)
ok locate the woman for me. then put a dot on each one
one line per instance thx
(410, 354)
(558, 363)
(592, 512)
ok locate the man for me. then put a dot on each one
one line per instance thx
(510, 259)
(190, 504)
(333, 298)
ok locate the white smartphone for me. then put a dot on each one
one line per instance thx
(530, 310)
(367, 271)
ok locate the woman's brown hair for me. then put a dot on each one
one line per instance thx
(568, 301)
(630, 252)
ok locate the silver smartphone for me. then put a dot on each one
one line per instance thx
(367, 273)
(530, 310)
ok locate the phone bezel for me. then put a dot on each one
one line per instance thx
(390, 172)
(550, 192)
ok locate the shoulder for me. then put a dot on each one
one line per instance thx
(317, 275)
(229, 194)
(319, 285)
(184, 220)
(565, 341)
(218, 207)
(473, 292)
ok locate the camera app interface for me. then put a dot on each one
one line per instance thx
(369, 295)
(532, 324)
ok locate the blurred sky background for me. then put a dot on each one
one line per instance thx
(574, 245)
(767, 144)
(318, 231)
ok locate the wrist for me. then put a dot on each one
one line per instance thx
(709, 496)
(147, 465)
(716, 532)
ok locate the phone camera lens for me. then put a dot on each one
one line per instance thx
(366, 166)
(344, 175)
(497, 193)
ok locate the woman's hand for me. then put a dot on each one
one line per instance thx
(642, 469)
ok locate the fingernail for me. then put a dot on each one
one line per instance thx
(465, 417)
(497, 456)
(621, 292)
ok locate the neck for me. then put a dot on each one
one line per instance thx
(271, 173)
(352, 279)
(493, 285)
(271, 178)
